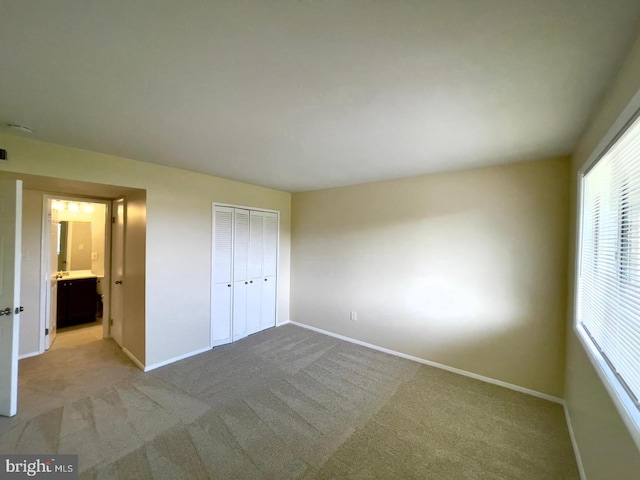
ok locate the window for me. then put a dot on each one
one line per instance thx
(608, 284)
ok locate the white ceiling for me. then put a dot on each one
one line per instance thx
(303, 94)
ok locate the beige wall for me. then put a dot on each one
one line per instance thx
(605, 445)
(466, 269)
(177, 243)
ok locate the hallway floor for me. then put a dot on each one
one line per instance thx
(75, 336)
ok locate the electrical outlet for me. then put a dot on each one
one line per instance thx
(354, 316)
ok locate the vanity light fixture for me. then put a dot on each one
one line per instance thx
(61, 205)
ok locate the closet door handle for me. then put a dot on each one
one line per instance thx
(265, 279)
(229, 285)
(251, 281)
(246, 283)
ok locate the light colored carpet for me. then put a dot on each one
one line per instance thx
(286, 403)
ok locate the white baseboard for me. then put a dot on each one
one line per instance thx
(175, 359)
(574, 442)
(134, 359)
(27, 355)
(465, 373)
(286, 322)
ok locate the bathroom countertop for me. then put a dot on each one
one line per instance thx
(78, 274)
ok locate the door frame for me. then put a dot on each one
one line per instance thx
(112, 266)
(213, 226)
(45, 274)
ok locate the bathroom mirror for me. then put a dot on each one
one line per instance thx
(74, 246)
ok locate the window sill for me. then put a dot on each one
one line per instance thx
(626, 408)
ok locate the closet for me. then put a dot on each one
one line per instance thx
(245, 254)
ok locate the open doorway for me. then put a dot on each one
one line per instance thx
(34, 278)
(76, 265)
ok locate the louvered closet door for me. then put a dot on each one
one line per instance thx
(254, 293)
(268, 303)
(221, 293)
(244, 281)
(240, 272)
(269, 269)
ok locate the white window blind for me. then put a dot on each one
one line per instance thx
(608, 301)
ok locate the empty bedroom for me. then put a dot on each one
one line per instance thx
(335, 239)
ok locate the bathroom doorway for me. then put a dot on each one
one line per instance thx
(76, 262)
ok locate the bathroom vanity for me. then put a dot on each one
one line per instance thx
(77, 292)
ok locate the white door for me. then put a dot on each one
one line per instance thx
(239, 310)
(51, 323)
(244, 267)
(253, 306)
(256, 245)
(240, 272)
(270, 255)
(117, 270)
(268, 303)
(10, 260)
(256, 236)
(222, 276)
(269, 269)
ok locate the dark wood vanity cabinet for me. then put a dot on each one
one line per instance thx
(76, 301)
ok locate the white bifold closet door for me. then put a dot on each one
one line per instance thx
(240, 272)
(254, 300)
(269, 267)
(244, 273)
(222, 287)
